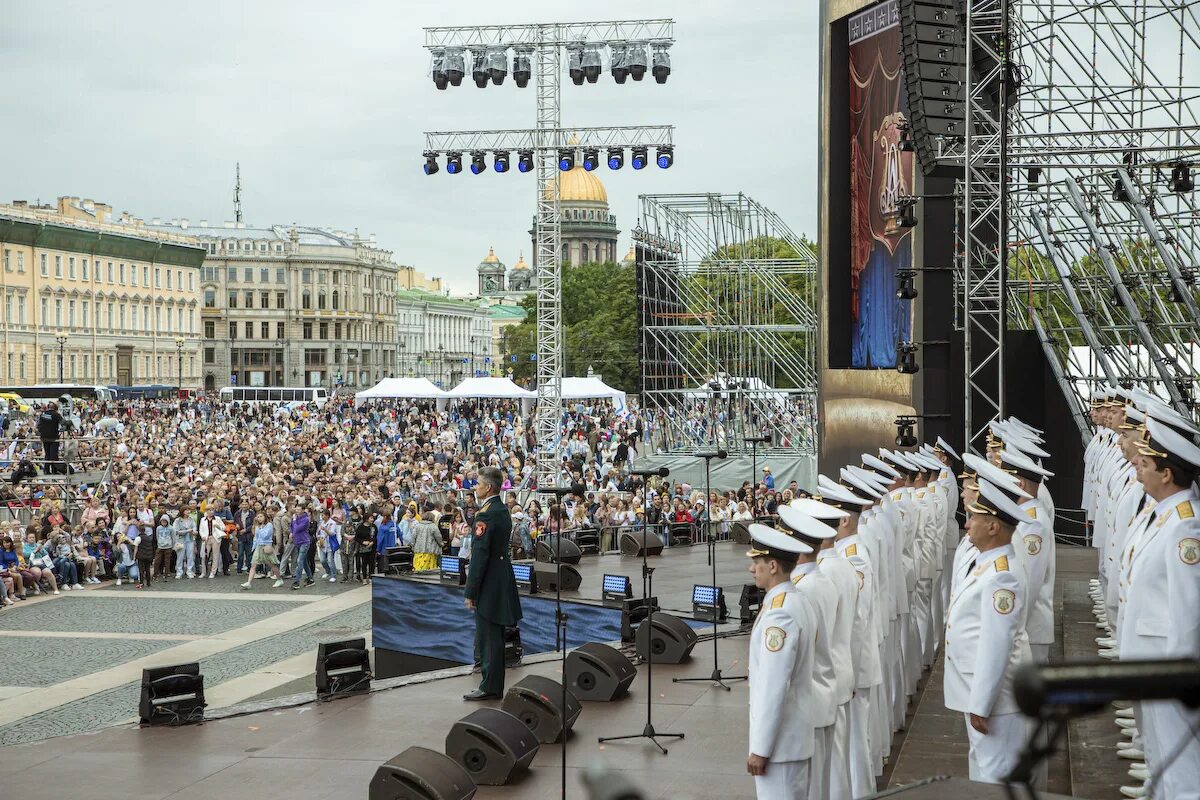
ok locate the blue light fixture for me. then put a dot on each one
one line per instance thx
(500, 161)
(566, 160)
(431, 165)
(478, 164)
(616, 158)
(453, 163)
(638, 160)
(666, 156)
(525, 160)
(591, 159)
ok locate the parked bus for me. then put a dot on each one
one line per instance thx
(274, 394)
(153, 391)
(45, 392)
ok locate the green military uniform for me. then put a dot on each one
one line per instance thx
(493, 588)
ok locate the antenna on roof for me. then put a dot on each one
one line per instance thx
(237, 194)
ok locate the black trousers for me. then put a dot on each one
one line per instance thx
(489, 643)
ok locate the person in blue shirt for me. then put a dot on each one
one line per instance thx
(386, 532)
(768, 478)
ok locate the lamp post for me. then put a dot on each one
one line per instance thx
(179, 347)
(62, 343)
(442, 365)
(403, 346)
(279, 343)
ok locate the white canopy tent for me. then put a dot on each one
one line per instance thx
(498, 388)
(591, 388)
(402, 389)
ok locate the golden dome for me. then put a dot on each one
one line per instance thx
(631, 256)
(577, 185)
(491, 257)
(520, 263)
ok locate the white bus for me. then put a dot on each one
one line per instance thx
(274, 394)
(45, 392)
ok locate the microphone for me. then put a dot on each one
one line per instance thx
(1081, 688)
(660, 472)
(759, 439)
(557, 491)
(719, 454)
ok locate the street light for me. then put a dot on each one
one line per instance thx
(403, 346)
(282, 360)
(62, 343)
(179, 347)
(441, 365)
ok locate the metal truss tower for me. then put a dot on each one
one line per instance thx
(544, 44)
(727, 325)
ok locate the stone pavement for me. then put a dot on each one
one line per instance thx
(72, 663)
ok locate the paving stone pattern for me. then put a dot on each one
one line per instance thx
(230, 585)
(47, 660)
(133, 615)
(111, 706)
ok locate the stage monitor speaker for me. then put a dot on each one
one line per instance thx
(634, 542)
(741, 533)
(492, 744)
(172, 695)
(343, 667)
(598, 672)
(421, 774)
(547, 577)
(538, 702)
(546, 550)
(669, 637)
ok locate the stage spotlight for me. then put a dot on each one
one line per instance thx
(566, 159)
(619, 66)
(478, 165)
(521, 70)
(1181, 179)
(616, 158)
(907, 218)
(431, 165)
(638, 159)
(906, 358)
(591, 63)
(1119, 195)
(615, 590)
(908, 284)
(1033, 176)
(666, 156)
(439, 68)
(904, 432)
(453, 163)
(455, 65)
(662, 63)
(575, 63)
(708, 603)
(479, 72)
(500, 161)
(524, 160)
(591, 159)
(750, 602)
(906, 143)
(635, 55)
(497, 63)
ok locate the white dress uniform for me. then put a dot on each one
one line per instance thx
(823, 597)
(1035, 552)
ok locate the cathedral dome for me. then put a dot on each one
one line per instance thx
(521, 263)
(579, 185)
(491, 263)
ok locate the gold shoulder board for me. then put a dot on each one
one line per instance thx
(1002, 564)
(1184, 510)
(778, 601)
(852, 550)
(1032, 512)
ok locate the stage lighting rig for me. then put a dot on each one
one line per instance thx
(522, 70)
(907, 290)
(566, 159)
(904, 431)
(638, 62)
(906, 358)
(907, 207)
(618, 63)
(1181, 179)
(591, 158)
(439, 68)
(453, 163)
(455, 66)
(479, 72)
(478, 164)
(497, 64)
(666, 156)
(575, 62)
(616, 158)
(431, 165)
(500, 161)
(1119, 195)
(639, 157)
(591, 62)
(662, 62)
(525, 160)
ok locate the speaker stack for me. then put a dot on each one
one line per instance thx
(547, 550)
(741, 533)
(598, 672)
(538, 702)
(492, 745)
(669, 637)
(548, 576)
(633, 543)
(421, 774)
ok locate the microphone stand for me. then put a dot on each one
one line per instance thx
(560, 622)
(754, 442)
(716, 676)
(647, 588)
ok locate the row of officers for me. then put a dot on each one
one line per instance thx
(866, 579)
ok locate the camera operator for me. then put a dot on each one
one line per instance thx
(49, 426)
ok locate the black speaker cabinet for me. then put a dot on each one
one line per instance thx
(343, 667)
(492, 744)
(547, 576)
(598, 672)
(741, 533)
(538, 702)
(547, 548)
(670, 638)
(633, 542)
(172, 695)
(421, 774)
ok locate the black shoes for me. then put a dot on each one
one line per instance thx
(479, 694)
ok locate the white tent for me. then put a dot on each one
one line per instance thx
(401, 389)
(589, 388)
(501, 388)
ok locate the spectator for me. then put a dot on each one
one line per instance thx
(164, 536)
(185, 542)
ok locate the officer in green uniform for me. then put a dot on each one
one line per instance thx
(491, 587)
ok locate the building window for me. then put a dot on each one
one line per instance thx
(58, 266)
(145, 275)
(158, 319)
(321, 300)
(308, 330)
(121, 273)
(133, 276)
(262, 247)
(72, 362)
(86, 308)
(264, 275)
(20, 261)
(335, 297)
(110, 272)
(264, 299)
(248, 297)
(58, 313)
(324, 329)
(210, 298)
(306, 276)
(247, 247)
(231, 274)
(233, 330)
(157, 278)
(278, 248)
(280, 299)
(306, 299)
(279, 330)
(249, 330)
(210, 329)
(191, 281)
(337, 330)
(45, 365)
(71, 313)
(248, 275)
(7, 260)
(265, 327)
(84, 272)
(210, 355)
(169, 286)
(280, 275)
(45, 269)
(232, 300)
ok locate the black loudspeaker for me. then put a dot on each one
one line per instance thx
(671, 639)
(343, 667)
(492, 744)
(546, 550)
(172, 695)
(421, 774)
(633, 542)
(741, 533)
(598, 672)
(547, 576)
(538, 702)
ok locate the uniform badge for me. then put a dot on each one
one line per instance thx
(1033, 544)
(1189, 551)
(862, 579)
(480, 528)
(774, 638)
(1003, 600)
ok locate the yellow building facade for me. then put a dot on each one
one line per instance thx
(90, 300)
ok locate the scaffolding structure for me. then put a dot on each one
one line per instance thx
(727, 324)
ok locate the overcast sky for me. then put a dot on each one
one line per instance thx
(148, 105)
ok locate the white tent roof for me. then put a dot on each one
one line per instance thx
(401, 388)
(490, 387)
(588, 388)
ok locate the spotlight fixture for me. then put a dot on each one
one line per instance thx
(616, 158)
(524, 160)
(635, 55)
(478, 165)
(904, 432)
(1033, 176)
(566, 159)
(497, 64)
(521, 69)
(666, 156)
(439, 68)
(431, 165)
(1187, 277)
(907, 290)
(500, 161)
(1181, 179)
(575, 62)
(906, 143)
(662, 62)
(591, 159)
(591, 63)
(638, 159)
(1119, 195)
(479, 72)
(907, 217)
(455, 65)
(619, 66)
(906, 358)
(453, 163)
